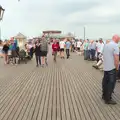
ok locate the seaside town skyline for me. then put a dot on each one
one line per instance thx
(32, 17)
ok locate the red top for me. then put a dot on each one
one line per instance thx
(55, 47)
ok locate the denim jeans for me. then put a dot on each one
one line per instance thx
(108, 84)
(92, 54)
(85, 54)
(38, 59)
(67, 53)
(88, 54)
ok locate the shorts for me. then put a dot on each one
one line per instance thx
(43, 53)
(78, 49)
(62, 49)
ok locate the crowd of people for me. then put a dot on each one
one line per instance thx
(103, 52)
(106, 53)
(60, 47)
(10, 50)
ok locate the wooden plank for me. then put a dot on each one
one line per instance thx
(93, 91)
(67, 90)
(12, 101)
(24, 108)
(67, 109)
(54, 102)
(62, 101)
(22, 102)
(113, 114)
(36, 94)
(39, 98)
(70, 103)
(42, 103)
(46, 100)
(58, 111)
(49, 112)
(20, 80)
(82, 77)
(69, 80)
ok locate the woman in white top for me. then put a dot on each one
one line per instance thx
(62, 47)
(79, 43)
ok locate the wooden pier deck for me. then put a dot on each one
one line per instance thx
(66, 90)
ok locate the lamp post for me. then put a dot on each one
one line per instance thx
(1, 17)
(84, 33)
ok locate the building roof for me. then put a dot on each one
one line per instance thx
(52, 31)
(20, 36)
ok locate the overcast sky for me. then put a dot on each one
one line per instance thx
(30, 17)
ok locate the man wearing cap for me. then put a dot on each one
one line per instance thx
(110, 66)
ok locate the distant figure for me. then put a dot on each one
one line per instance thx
(44, 51)
(1, 49)
(73, 45)
(111, 66)
(37, 53)
(55, 48)
(100, 46)
(92, 50)
(99, 63)
(62, 47)
(79, 43)
(5, 51)
(68, 46)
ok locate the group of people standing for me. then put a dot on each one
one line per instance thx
(9, 49)
(108, 54)
(92, 49)
(61, 46)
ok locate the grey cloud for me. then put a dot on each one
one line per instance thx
(67, 8)
(107, 21)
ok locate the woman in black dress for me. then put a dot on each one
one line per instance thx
(38, 53)
(5, 50)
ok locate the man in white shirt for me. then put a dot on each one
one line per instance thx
(100, 47)
(79, 43)
(62, 47)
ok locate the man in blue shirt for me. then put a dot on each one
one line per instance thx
(68, 46)
(92, 50)
(13, 50)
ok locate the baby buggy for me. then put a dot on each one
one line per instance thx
(22, 56)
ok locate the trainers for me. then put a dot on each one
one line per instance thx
(112, 102)
(95, 66)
